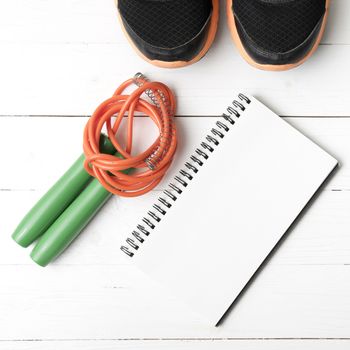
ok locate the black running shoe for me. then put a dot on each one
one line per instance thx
(170, 33)
(277, 34)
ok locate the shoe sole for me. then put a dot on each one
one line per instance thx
(178, 64)
(270, 67)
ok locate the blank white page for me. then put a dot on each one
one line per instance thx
(234, 211)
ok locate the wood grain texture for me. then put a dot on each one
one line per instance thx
(307, 278)
(116, 302)
(49, 145)
(44, 164)
(320, 238)
(60, 59)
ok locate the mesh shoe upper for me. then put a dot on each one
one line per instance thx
(166, 23)
(278, 25)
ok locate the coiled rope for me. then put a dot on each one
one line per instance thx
(149, 166)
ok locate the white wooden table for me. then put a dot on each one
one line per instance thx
(59, 59)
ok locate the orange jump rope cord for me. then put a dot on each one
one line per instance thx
(151, 165)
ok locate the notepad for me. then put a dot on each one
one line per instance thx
(227, 207)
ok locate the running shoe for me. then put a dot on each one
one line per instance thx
(277, 34)
(169, 33)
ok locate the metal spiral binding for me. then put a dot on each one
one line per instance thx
(185, 175)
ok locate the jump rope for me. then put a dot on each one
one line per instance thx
(65, 210)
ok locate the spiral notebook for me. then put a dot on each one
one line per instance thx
(227, 207)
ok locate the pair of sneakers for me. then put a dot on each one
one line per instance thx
(270, 34)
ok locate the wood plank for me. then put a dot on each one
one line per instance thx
(65, 68)
(41, 149)
(63, 58)
(60, 79)
(113, 300)
(118, 302)
(81, 21)
(209, 344)
(321, 237)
